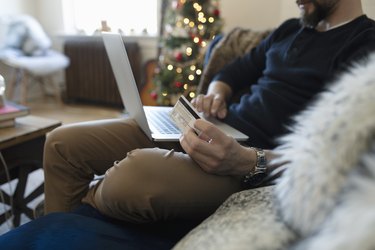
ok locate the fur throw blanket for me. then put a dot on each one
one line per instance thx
(234, 44)
(23, 35)
(325, 197)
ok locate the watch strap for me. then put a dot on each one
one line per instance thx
(257, 174)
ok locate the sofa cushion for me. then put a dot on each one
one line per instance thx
(247, 220)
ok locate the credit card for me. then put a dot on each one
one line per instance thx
(184, 114)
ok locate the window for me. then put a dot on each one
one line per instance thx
(131, 17)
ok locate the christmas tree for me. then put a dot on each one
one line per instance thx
(189, 26)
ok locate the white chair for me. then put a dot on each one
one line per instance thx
(27, 50)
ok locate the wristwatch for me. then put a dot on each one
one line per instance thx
(259, 173)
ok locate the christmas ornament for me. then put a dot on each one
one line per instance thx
(179, 57)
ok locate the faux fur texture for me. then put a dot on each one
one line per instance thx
(325, 147)
(351, 224)
(24, 33)
(325, 197)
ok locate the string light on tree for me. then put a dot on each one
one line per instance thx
(189, 26)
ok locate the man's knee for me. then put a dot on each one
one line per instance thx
(135, 188)
(136, 175)
(65, 133)
(63, 146)
(68, 139)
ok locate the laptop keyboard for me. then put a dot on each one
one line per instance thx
(162, 122)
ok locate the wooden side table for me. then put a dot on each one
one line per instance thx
(22, 149)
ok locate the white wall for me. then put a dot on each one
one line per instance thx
(254, 14)
(50, 14)
(17, 6)
(369, 7)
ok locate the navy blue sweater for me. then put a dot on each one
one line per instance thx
(286, 71)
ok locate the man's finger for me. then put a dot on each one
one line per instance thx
(209, 130)
(217, 105)
(199, 103)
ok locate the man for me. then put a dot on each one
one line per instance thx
(152, 181)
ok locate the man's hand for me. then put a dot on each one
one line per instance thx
(211, 105)
(215, 152)
(214, 102)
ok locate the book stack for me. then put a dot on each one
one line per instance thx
(9, 111)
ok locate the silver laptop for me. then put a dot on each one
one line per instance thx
(153, 120)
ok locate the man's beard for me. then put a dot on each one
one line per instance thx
(321, 11)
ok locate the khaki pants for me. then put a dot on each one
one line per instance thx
(144, 181)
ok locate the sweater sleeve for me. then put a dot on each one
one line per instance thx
(246, 70)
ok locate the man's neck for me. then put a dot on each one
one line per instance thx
(346, 11)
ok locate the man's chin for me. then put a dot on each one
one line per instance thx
(309, 22)
(309, 17)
